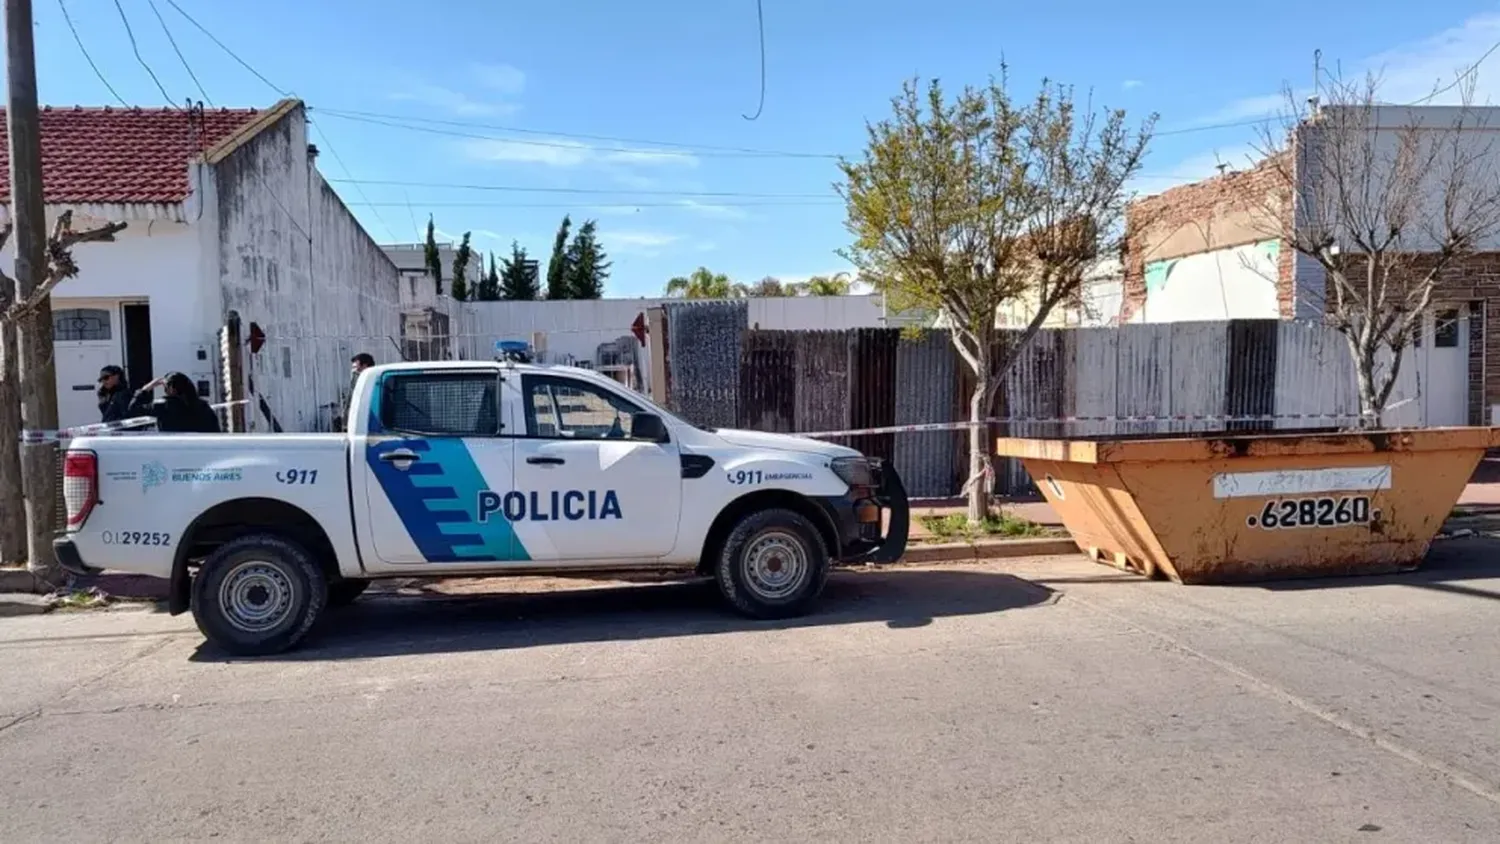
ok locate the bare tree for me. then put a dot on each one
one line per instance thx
(967, 205)
(1384, 203)
(60, 266)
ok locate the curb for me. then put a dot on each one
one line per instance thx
(17, 580)
(989, 550)
(22, 604)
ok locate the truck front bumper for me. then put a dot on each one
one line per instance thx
(871, 528)
(69, 558)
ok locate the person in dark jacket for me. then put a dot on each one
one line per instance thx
(183, 411)
(114, 394)
(357, 364)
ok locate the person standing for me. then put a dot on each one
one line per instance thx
(357, 364)
(182, 411)
(114, 394)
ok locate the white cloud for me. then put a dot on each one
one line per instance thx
(645, 243)
(554, 153)
(1130, 84)
(651, 157)
(565, 152)
(1407, 73)
(504, 81)
(710, 210)
(503, 78)
(1196, 168)
(455, 102)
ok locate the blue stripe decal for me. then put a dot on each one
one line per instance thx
(437, 498)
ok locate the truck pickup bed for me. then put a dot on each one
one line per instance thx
(472, 469)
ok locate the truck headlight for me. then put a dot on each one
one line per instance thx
(854, 471)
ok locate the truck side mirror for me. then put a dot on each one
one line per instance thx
(649, 427)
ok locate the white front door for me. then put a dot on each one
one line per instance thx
(1442, 367)
(84, 340)
(584, 490)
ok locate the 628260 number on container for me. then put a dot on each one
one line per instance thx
(1321, 512)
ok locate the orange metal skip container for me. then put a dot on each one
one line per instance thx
(1227, 508)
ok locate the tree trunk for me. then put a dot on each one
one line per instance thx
(39, 462)
(1364, 370)
(12, 506)
(979, 450)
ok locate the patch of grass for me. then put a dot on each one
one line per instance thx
(80, 599)
(956, 526)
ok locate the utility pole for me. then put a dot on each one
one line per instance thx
(33, 332)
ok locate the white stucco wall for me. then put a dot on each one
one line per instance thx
(292, 259)
(156, 261)
(1234, 283)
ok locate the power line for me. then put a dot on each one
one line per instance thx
(760, 18)
(246, 65)
(390, 232)
(623, 191)
(178, 51)
(62, 4)
(685, 204)
(1460, 78)
(397, 121)
(135, 48)
(1212, 126)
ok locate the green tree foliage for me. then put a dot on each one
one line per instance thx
(432, 258)
(518, 281)
(968, 204)
(703, 283)
(557, 268)
(489, 286)
(772, 286)
(837, 284)
(588, 266)
(461, 259)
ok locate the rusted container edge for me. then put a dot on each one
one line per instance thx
(1255, 445)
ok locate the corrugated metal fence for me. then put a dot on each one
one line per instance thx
(1067, 382)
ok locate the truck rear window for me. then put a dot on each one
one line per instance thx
(438, 404)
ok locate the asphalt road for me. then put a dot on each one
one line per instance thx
(1035, 700)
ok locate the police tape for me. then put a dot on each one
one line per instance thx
(41, 437)
(1070, 420)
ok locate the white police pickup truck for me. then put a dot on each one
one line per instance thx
(470, 469)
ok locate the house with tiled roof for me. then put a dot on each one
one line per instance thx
(229, 220)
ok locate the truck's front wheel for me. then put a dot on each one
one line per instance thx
(258, 594)
(772, 565)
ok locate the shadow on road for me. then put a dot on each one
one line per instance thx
(399, 626)
(1448, 564)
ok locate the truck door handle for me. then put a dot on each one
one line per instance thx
(545, 461)
(400, 454)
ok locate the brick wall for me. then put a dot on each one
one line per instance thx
(1225, 211)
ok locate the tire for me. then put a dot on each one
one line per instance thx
(344, 592)
(772, 565)
(238, 581)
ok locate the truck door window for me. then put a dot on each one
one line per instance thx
(441, 404)
(561, 408)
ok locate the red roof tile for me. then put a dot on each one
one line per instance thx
(116, 155)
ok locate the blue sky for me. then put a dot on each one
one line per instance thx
(657, 72)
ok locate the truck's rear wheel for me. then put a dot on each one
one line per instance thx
(258, 594)
(772, 565)
(344, 592)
